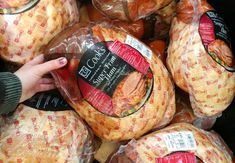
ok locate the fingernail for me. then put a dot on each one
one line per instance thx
(62, 61)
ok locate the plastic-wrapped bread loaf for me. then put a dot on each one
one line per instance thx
(179, 142)
(112, 80)
(129, 10)
(200, 59)
(31, 135)
(27, 25)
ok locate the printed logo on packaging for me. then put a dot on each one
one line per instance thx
(215, 38)
(115, 78)
(16, 6)
(48, 101)
(179, 157)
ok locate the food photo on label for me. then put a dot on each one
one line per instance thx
(117, 79)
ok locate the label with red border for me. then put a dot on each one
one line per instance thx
(179, 157)
(16, 6)
(215, 38)
(103, 70)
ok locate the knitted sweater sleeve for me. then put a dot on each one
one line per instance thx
(10, 92)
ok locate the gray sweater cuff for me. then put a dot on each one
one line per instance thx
(11, 88)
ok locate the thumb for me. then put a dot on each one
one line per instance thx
(37, 60)
(48, 66)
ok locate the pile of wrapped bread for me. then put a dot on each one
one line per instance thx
(144, 81)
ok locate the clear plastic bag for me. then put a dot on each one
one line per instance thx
(184, 113)
(113, 81)
(179, 142)
(159, 48)
(129, 10)
(168, 12)
(200, 59)
(106, 149)
(27, 25)
(89, 13)
(31, 135)
(161, 29)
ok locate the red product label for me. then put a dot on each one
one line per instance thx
(130, 55)
(179, 157)
(206, 29)
(215, 37)
(101, 70)
(96, 97)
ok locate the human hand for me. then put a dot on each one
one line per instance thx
(31, 75)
